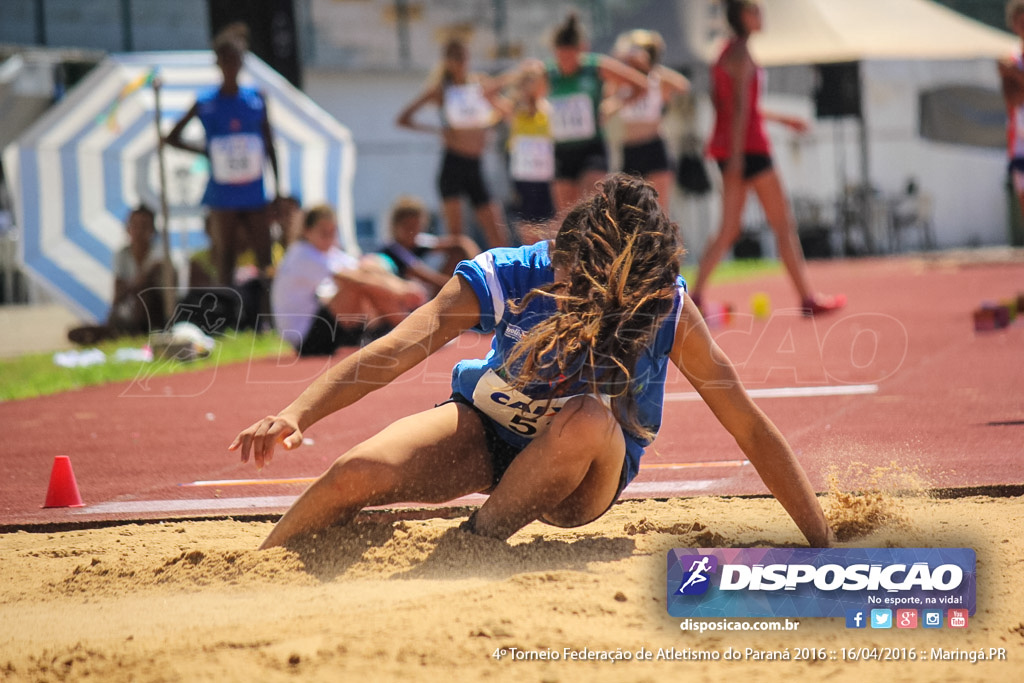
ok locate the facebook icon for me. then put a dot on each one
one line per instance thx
(856, 618)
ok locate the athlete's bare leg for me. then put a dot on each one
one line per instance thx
(431, 457)
(568, 475)
(662, 182)
(734, 196)
(565, 194)
(493, 225)
(773, 200)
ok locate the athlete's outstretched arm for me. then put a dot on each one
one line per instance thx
(267, 131)
(407, 117)
(712, 374)
(174, 138)
(620, 73)
(672, 82)
(454, 310)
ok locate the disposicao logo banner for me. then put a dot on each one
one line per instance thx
(817, 582)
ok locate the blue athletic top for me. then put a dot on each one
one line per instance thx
(234, 145)
(500, 275)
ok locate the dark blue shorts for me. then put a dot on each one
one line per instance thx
(533, 202)
(503, 453)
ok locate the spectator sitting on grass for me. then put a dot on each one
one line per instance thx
(323, 298)
(138, 305)
(414, 254)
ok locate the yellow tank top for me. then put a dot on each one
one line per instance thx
(531, 147)
(536, 124)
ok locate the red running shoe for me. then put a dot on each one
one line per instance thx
(819, 305)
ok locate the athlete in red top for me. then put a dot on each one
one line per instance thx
(754, 138)
(741, 148)
(1011, 72)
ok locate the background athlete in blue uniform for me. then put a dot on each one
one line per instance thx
(552, 423)
(238, 142)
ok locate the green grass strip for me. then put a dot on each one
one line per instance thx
(736, 270)
(36, 374)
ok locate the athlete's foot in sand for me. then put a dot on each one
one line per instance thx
(497, 532)
(821, 304)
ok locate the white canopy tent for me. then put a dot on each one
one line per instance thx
(827, 31)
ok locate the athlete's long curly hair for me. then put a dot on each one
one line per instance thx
(616, 257)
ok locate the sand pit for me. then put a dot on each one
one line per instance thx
(419, 600)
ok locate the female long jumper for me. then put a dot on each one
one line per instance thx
(553, 422)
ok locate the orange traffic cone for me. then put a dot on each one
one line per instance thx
(63, 491)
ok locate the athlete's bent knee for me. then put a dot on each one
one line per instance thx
(359, 470)
(585, 420)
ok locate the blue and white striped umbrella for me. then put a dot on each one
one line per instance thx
(77, 172)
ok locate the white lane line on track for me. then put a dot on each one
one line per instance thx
(668, 488)
(200, 504)
(665, 489)
(250, 482)
(791, 392)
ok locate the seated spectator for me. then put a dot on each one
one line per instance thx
(414, 254)
(138, 303)
(323, 298)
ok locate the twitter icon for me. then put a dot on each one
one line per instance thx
(881, 618)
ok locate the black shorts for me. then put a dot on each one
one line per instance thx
(325, 336)
(753, 164)
(533, 202)
(645, 158)
(461, 175)
(503, 453)
(1016, 170)
(573, 159)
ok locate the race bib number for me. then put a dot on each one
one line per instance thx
(572, 118)
(466, 107)
(236, 159)
(514, 410)
(532, 158)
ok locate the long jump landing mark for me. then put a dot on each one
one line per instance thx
(790, 392)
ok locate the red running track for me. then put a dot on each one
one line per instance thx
(918, 389)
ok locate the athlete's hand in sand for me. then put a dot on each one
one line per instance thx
(261, 438)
